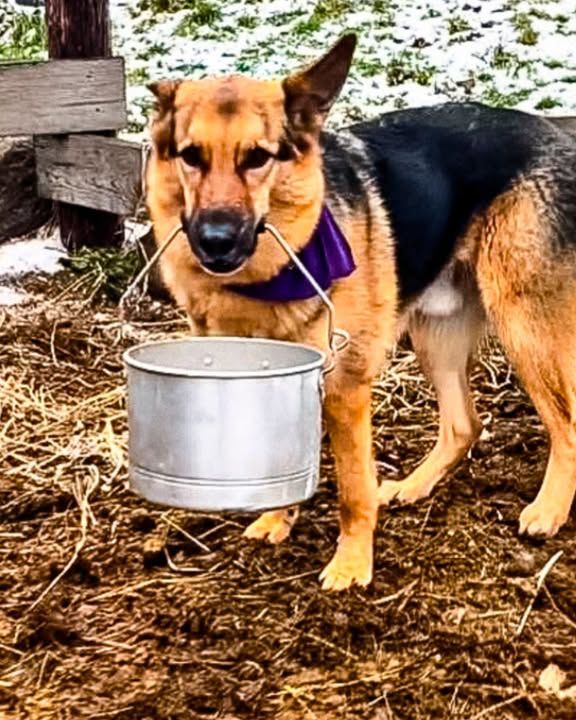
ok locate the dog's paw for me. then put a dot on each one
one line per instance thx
(542, 519)
(351, 564)
(405, 492)
(274, 526)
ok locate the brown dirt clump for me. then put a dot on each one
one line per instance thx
(113, 608)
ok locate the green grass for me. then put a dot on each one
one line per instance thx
(160, 6)
(110, 269)
(547, 103)
(22, 35)
(400, 103)
(553, 64)
(494, 97)
(309, 26)
(248, 21)
(458, 24)
(137, 76)
(485, 77)
(544, 15)
(384, 11)
(526, 33)
(330, 9)
(409, 66)
(203, 14)
(151, 51)
(504, 60)
(368, 68)
(323, 10)
(249, 58)
(283, 19)
(381, 6)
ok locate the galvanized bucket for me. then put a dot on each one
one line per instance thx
(223, 424)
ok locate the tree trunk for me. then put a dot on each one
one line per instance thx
(81, 29)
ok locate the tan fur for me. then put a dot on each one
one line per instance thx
(526, 293)
(290, 195)
(531, 296)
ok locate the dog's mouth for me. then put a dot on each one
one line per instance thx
(222, 267)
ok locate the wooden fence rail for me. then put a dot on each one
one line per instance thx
(90, 171)
(62, 96)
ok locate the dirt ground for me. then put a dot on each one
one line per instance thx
(113, 608)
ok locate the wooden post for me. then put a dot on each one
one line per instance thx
(81, 29)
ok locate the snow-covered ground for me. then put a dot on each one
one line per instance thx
(36, 255)
(516, 53)
(519, 53)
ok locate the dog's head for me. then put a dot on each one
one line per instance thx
(234, 142)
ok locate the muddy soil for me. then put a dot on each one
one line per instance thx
(114, 608)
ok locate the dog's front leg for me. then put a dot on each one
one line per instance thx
(273, 526)
(349, 424)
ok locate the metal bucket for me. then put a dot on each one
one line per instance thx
(224, 423)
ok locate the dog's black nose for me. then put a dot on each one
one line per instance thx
(218, 233)
(217, 239)
(221, 238)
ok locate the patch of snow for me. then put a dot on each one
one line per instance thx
(135, 231)
(484, 60)
(31, 255)
(10, 296)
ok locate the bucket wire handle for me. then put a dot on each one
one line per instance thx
(338, 339)
(129, 294)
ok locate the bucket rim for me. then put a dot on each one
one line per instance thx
(131, 362)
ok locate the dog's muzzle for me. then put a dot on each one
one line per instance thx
(221, 239)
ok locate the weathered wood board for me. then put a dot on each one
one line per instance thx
(91, 171)
(62, 96)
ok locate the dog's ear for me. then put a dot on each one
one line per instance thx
(165, 93)
(310, 93)
(163, 120)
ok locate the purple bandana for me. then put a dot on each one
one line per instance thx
(327, 257)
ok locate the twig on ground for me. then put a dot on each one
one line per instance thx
(82, 495)
(498, 706)
(542, 575)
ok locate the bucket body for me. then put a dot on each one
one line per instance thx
(222, 424)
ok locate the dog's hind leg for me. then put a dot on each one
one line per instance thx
(528, 284)
(444, 347)
(550, 379)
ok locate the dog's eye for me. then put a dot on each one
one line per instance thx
(192, 156)
(255, 158)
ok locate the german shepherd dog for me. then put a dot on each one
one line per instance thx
(455, 215)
